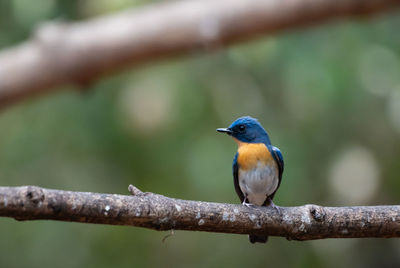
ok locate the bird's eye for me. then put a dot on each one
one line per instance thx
(242, 128)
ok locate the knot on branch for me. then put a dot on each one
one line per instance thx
(35, 195)
(317, 213)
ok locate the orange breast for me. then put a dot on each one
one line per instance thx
(253, 154)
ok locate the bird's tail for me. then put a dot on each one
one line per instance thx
(258, 239)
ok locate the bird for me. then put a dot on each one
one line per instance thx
(257, 166)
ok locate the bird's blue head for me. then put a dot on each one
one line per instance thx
(247, 129)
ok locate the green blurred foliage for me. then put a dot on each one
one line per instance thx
(322, 93)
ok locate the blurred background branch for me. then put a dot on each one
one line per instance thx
(162, 213)
(79, 53)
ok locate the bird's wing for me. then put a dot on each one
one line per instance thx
(277, 155)
(235, 169)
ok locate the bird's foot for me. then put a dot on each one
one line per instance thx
(278, 209)
(247, 204)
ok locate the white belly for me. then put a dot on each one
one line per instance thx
(258, 183)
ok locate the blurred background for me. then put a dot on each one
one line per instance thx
(329, 96)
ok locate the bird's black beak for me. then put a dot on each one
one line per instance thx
(225, 130)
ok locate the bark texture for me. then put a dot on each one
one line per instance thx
(79, 53)
(163, 213)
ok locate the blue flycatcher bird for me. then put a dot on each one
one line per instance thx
(257, 166)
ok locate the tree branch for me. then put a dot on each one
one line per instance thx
(163, 213)
(79, 53)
